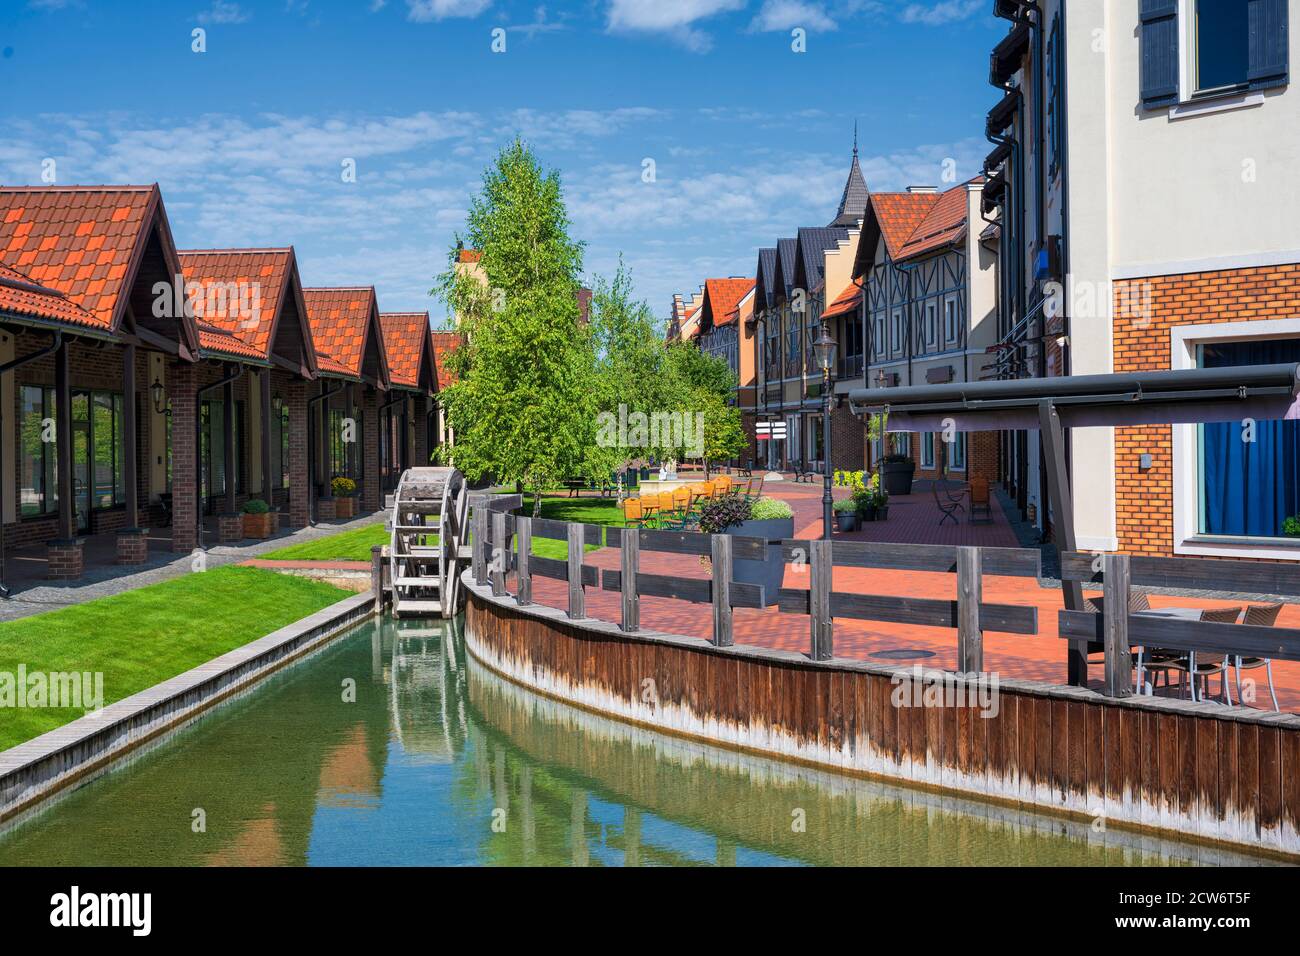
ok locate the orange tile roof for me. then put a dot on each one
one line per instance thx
(20, 296)
(221, 340)
(945, 223)
(82, 241)
(443, 344)
(405, 340)
(846, 302)
(898, 215)
(340, 322)
(469, 255)
(255, 282)
(722, 298)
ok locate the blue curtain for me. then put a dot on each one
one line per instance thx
(1250, 488)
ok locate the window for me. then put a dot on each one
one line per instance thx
(345, 456)
(212, 446)
(951, 327)
(957, 453)
(1248, 488)
(1220, 45)
(279, 444)
(37, 486)
(896, 342)
(927, 449)
(1055, 70)
(931, 323)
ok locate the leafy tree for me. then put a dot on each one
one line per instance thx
(695, 369)
(523, 403)
(724, 433)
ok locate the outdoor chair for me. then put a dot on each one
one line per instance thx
(948, 505)
(634, 515)
(1185, 664)
(1258, 615)
(752, 493)
(1137, 602)
(979, 501)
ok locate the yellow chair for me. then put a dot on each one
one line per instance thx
(634, 515)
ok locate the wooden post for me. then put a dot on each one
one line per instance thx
(630, 563)
(819, 599)
(1052, 436)
(970, 591)
(377, 576)
(500, 554)
(722, 632)
(577, 600)
(1119, 659)
(524, 541)
(480, 532)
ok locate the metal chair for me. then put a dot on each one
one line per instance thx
(948, 505)
(1185, 664)
(1258, 615)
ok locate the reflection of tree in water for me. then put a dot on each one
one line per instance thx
(748, 802)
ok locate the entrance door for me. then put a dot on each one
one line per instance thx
(81, 483)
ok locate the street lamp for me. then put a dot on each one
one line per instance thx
(824, 349)
(159, 395)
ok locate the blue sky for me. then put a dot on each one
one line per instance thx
(749, 138)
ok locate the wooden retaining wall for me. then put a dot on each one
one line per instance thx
(1198, 771)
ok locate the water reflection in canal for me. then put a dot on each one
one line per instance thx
(389, 747)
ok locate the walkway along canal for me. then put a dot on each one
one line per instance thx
(439, 761)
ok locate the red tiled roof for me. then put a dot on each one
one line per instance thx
(443, 344)
(722, 298)
(20, 296)
(898, 215)
(82, 241)
(340, 325)
(255, 282)
(469, 255)
(405, 337)
(945, 223)
(220, 340)
(846, 302)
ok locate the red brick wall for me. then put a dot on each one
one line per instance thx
(846, 440)
(182, 386)
(1144, 499)
(371, 487)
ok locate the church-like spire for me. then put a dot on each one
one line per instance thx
(853, 204)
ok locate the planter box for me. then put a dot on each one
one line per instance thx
(345, 507)
(868, 513)
(846, 520)
(771, 570)
(897, 477)
(258, 526)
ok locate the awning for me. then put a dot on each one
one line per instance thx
(1182, 396)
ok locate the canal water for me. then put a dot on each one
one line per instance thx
(390, 747)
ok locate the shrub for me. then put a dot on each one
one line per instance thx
(845, 505)
(256, 506)
(1291, 527)
(770, 509)
(343, 487)
(722, 513)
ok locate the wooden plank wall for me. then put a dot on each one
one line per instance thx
(1184, 769)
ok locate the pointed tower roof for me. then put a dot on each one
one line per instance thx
(853, 204)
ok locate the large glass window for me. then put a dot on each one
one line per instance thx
(212, 448)
(279, 444)
(345, 456)
(37, 486)
(1220, 44)
(1249, 472)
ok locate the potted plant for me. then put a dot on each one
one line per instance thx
(766, 518)
(846, 514)
(897, 471)
(1291, 527)
(256, 519)
(882, 504)
(866, 496)
(344, 502)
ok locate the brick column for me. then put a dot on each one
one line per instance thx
(299, 473)
(182, 389)
(64, 559)
(371, 491)
(420, 446)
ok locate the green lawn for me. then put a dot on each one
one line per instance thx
(587, 510)
(351, 545)
(142, 637)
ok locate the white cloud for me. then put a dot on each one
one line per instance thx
(424, 11)
(788, 14)
(937, 14)
(222, 12)
(673, 18)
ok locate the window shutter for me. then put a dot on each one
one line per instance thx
(1267, 21)
(1159, 52)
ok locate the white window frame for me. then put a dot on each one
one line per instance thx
(1188, 540)
(897, 340)
(927, 450)
(958, 460)
(950, 320)
(931, 322)
(1194, 102)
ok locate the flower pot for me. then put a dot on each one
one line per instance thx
(897, 476)
(257, 526)
(882, 514)
(768, 571)
(345, 507)
(846, 520)
(867, 513)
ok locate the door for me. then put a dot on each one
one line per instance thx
(81, 483)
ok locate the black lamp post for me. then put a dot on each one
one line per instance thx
(824, 348)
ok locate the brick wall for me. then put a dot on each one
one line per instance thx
(295, 396)
(846, 440)
(182, 386)
(1144, 498)
(371, 489)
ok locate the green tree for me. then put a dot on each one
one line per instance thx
(695, 369)
(523, 403)
(724, 432)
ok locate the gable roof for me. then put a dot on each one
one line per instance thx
(722, 299)
(245, 292)
(943, 225)
(810, 264)
(783, 275)
(409, 349)
(763, 277)
(22, 298)
(88, 243)
(913, 224)
(444, 343)
(344, 324)
(846, 302)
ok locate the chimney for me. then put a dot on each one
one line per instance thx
(922, 190)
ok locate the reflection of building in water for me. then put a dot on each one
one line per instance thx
(426, 689)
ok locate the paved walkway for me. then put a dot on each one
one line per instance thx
(32, 594)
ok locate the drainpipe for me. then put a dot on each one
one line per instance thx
(233, 371)
(311, 436)
(56, 340)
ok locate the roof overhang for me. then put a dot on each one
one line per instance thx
(1182, 396)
